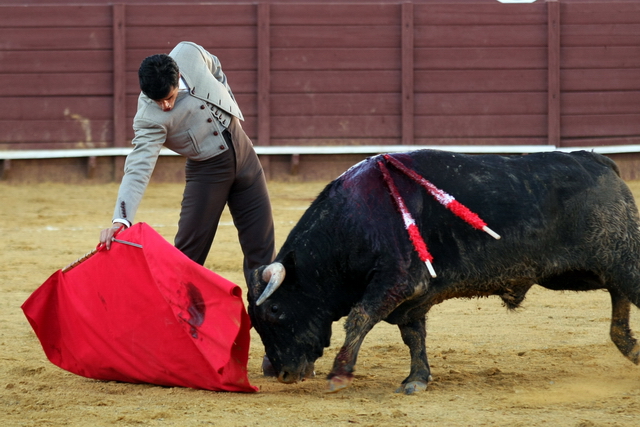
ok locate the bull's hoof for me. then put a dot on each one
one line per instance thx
(412, 387)
(634, 354)
(338, 383)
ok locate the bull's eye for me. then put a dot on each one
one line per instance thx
(274, 308)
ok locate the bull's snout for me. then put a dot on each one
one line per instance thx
(290, 376)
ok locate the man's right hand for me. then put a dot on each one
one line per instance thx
(108, 234)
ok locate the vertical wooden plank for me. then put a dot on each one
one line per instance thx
(553, 70)
(264, 81)
(407, 74)
(119, 87)
(6, 170)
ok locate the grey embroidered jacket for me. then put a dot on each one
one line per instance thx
(193, 128)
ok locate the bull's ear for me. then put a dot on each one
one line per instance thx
(290, 264)
(289, 261)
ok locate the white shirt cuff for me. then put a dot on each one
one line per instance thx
(122, 221)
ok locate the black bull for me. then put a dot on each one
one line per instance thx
(567, 222)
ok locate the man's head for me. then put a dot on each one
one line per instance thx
(158, 76)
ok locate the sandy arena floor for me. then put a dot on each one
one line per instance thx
(550, 364)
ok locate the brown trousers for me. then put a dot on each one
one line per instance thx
(234, 177)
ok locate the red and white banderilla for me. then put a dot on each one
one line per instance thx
(445, 199)
(409, 223)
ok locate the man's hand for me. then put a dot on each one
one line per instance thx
(107, 235)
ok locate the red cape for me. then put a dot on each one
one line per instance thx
(144, 315)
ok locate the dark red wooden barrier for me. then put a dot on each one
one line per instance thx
(467, 72)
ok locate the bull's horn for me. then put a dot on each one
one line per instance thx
(274, 273)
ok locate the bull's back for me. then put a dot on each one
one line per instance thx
(508, 189)
(504, 190)
(542, 204)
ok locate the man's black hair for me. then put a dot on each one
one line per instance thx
(158, 75)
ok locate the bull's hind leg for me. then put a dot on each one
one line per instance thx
(414, 335)
(621, 334)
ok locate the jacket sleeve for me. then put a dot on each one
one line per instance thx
(213, 63)
(204, 76)
(148, 140)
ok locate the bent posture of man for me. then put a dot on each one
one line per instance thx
(187, 105)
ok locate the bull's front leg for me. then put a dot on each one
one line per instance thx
(414, 336)
(358, 324)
